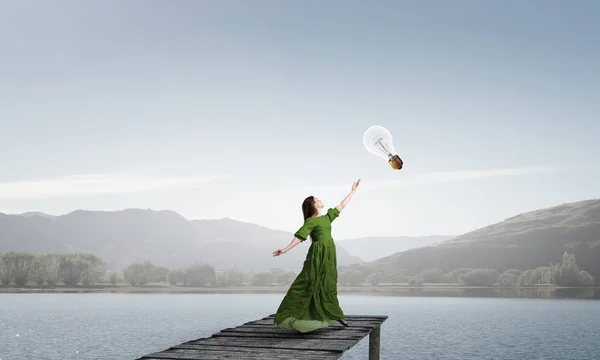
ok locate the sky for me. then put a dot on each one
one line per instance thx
(241, 109)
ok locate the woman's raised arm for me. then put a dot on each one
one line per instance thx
(347, 199)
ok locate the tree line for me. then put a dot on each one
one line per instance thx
(73, 269)
(22, 268)
(198, 274)
(566, 273)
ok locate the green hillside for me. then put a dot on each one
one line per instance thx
(526, 241)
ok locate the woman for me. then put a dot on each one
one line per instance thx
(311, 302)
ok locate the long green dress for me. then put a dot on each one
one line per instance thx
(311, 302)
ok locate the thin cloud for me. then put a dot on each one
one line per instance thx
(97, 184)
(431, 178)
(468, 175)
(452, 176)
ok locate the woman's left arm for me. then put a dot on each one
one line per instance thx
(347, 199)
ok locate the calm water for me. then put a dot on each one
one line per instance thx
(125, 326)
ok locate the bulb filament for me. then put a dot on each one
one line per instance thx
(384, 147)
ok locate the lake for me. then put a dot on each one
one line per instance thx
(126, 326)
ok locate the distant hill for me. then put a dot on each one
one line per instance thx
(372, 248)
(164, 237)
(529, 240)
(37, 213)
(254, 245)
(25, 232)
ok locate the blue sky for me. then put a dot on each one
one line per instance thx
(241, 109)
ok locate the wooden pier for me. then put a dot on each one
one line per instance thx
(258, 339)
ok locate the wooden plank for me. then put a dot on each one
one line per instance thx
(325, 330)
(351, 323)
(376, 317)
(328, 330)
(348, 318)
(338, 327)
(271, 330)
(242, 350)
(332, 327)
(379, 317)
(341, 335)
(296, 344)
(245, 355)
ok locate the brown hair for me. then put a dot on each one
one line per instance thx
(309, 209)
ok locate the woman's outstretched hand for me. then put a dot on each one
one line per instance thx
(344, 202)
(278, 252)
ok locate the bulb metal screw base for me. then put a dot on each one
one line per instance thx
(395, 162)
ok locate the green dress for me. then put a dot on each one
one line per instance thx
(311, 302)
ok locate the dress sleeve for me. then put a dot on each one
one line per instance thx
(332, 214)
(305, 230)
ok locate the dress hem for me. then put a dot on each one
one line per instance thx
(303, 326)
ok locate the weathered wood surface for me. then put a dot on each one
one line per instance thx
(374, 344)
(258, 339)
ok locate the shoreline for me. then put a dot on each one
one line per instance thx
(163, 289)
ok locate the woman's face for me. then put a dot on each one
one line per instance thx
(318, 203)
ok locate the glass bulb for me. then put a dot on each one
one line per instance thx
(378, 141)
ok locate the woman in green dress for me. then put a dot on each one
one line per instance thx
(311, 302)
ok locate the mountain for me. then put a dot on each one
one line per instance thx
(164, 237)
(525, 241)
(372, 248)
(254, 245)
(24, 232)
(37, 213)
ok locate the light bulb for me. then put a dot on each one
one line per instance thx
(378, 141)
